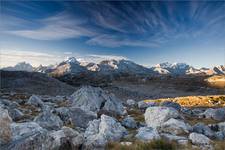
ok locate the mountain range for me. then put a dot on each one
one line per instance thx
(113, 67)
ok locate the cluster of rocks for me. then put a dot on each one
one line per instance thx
(92, 117)
(168, 120)
(81, 121)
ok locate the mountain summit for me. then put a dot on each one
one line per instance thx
(22, 66)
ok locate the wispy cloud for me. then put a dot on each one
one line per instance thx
(60, 26)
(12, 57)
(114, 41)
(116, 24)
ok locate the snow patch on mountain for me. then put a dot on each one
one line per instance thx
(69, 66)
(44, 69)
(99, 58)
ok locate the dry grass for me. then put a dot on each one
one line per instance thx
(19, 96)
(29, 115)
(136, 114)
(219, 145)
(63, 103)
(153, 145)
(196, 101)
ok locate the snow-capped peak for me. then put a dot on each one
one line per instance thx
(163, 65)
(110, 63)
(171, 68)
(71, 60)
(180, 65)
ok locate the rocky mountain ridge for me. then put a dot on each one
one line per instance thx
(112, 67)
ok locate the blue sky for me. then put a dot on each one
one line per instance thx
(148, 33)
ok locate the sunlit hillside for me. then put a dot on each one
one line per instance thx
(217, 81)
(195, 101)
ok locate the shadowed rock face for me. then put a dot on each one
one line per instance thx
(49, 121)
(33, 83)
(80, 117)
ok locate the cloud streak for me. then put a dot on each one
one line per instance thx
(117, 24)
(12, 57)
(58, 27)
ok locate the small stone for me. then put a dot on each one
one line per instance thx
(129, 122)
(171, 137)
(126, 143)
(199, 139)
(35, 101)
(147, 134)
(131, 103)
(171, 104)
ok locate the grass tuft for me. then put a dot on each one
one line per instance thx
(153, 145)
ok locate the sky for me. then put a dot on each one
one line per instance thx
(146, 32)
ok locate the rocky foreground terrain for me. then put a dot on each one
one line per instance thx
(93, 118)
(111, 105)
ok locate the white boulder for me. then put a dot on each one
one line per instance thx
(95, 99)
(156, 116)
(103, 130)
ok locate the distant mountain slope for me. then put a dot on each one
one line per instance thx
(219, 69)
(172, 69)
(122, 67)
(185, 69)
(106, 67)
(69, 66)
(116, 67)
(33, 83)
(43, 69)
(22, 66)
